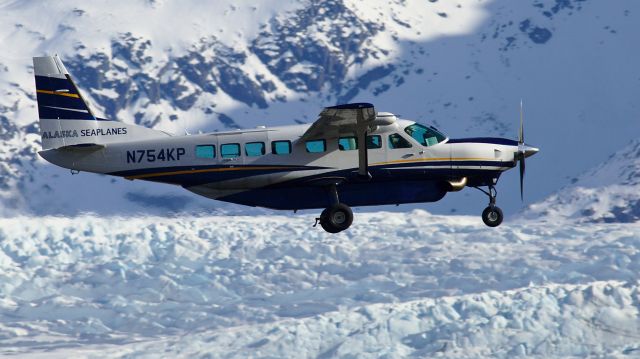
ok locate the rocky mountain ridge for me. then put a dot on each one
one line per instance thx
(239, 65)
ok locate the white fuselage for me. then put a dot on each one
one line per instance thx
(172, 159)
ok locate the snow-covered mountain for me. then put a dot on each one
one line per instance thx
(462, 66)
(608, 193)
(559, 281)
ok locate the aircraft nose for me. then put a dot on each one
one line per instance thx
(529, 150)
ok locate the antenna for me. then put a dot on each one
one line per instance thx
(185, 126)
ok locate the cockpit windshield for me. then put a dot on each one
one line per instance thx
(427, 136)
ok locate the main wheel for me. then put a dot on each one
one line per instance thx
(492, 216)
(336, 218)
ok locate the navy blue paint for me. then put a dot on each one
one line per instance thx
(52, 84)
(351, 106)
(388, 185)
(352, 194)
(54, 113)
(379, 173)
(449, 164)
(491, 140)
(195, 179)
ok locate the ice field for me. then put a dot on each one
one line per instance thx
(395, 285)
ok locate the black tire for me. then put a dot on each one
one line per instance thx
(336, 218)
(492, 216)
(325, 224)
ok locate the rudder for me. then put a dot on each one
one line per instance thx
(58, 96)
(66, 119)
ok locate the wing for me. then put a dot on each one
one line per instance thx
(350, 119)
(341, 120)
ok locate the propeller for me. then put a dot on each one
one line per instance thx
(521, 151)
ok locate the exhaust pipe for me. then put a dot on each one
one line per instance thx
(455, 186)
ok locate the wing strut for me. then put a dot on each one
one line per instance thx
(364, 118)
(334, 121)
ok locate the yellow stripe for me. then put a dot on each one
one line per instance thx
(58, 93)
(174, 173)
(434, 159)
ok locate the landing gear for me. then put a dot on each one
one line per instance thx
(492, 215)
(337, 217)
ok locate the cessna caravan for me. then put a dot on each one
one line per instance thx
(350, 156)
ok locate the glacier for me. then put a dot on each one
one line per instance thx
(395, 285)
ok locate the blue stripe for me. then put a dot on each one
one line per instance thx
(351, 106)
(381, 172)
(490, 140)
(448, 164)
(53, 83)
(194, 179)
(54, 113)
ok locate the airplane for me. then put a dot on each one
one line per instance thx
(350, 156)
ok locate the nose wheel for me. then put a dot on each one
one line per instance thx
(492, 215)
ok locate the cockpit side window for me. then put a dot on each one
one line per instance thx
(397, 141)
(426, 136)
(374, 141)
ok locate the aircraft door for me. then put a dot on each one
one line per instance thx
(399, 150)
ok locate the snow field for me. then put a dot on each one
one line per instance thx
(400, 284)
(548, 321)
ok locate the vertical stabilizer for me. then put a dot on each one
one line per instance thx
(58, 97)
(65, 117)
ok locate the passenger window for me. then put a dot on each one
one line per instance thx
(281, 147)
(374, 141)
(316, 146)
(397, 141)
(348, 143)
(230, 150)
(206, 151)
(254, 149)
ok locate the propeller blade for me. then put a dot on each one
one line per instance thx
(521, 151)
(522, 169)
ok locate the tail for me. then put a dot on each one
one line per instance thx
(65, 117)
